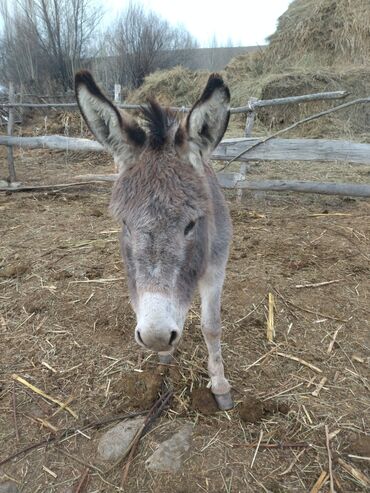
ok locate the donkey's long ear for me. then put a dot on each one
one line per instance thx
(121, 136)
(208, 120)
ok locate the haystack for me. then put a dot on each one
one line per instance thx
(322, 33)
(319, 45)
(178, 86)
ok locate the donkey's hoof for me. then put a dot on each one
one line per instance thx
(166, 359)
(224, 401)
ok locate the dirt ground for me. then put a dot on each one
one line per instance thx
(66, 327)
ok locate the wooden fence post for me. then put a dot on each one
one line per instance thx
(117, 93)
(250, 117)
(239, 193)
(11, 168)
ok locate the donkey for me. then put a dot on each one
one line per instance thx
(176, 227)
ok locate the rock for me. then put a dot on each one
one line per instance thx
(171, 454)
(114, 444)
(9, 487)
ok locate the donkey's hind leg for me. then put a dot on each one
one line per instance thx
(210, 287)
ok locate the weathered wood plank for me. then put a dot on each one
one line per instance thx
(56, 142)
(273, 150)
(294, 150)
(236, 180)
(346, 189)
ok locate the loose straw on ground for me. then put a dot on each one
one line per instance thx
(270, 320)
(318, 284)
(355, 473)
(320, 482)
(300, 360)
(257, 448)
(43, 394)
(332, 342)
(15, 414)
(320, 386)
(329, 459)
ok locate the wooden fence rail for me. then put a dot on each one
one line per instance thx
(242, 109)
(275, 150)
(229, 149)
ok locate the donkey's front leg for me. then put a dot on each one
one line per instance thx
(210, 287)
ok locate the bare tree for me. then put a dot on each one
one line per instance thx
(144, 42)
(45, 41)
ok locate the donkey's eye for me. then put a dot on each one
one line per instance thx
(189, 227)
(126, 227)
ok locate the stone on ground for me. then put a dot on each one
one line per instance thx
(171, 454)
(115, 443)
(8, 487)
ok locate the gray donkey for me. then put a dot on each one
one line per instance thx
(176, 227)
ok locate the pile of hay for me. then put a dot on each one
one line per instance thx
(350, 123)
(319, 45)
(178, 86)
(321, 32)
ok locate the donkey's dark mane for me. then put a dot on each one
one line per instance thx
(159, 122)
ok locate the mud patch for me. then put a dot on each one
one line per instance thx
(14, 270)
(202, 401)
(361, 446)
(252, 410)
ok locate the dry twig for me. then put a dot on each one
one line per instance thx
(320, 482)
(81, 486)
(318, 284)
(329, 459)
(153, 414)
(69, 432)
(318, 389)
(292, 464)
(257, 448)
(15, 413)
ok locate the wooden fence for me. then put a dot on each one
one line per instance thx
(241, 149)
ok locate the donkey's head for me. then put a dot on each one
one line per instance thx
(164, 200)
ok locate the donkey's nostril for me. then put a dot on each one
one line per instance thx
(139, 337)
(173, 336)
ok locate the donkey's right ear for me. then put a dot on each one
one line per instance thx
(121, 136)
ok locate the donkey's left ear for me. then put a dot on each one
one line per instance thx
(120, 135)
(208, 120)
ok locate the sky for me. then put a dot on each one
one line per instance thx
(244, 22)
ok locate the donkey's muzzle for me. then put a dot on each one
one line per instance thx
(157, 339)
